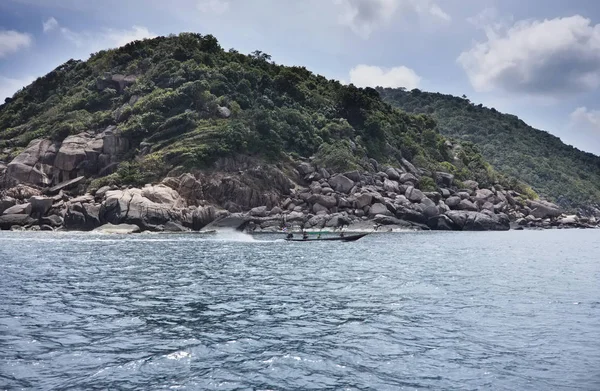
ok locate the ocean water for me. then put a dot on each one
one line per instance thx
(402, 311)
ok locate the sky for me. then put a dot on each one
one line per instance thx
(537, 59)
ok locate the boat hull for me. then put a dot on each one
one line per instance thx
(349, 238)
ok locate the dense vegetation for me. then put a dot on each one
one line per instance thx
(558, 171)
(171, 108)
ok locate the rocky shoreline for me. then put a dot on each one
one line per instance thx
(241, 193)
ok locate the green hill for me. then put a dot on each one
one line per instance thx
(184, 102)
(555, 170)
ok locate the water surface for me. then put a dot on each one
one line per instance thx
(503, 311)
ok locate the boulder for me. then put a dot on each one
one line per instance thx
(444, 179)
(463, 195)
(6, 203)
(409, 167)
(7, 221)
(260, 211)
(544, 209)
(341, 183)
(392, 174)
(445, 193)
(484, 195)
(352, 175)
(363, 200)
(441, 223)
(52, 220)
(22, 192)
(390, 186)
(118, 229)
(453, 201)
(162, 194)
(466, 205)
(19, 209)
(407, 177)
(305, 169)
(379, 209)
(324, 200)
(223, 112)
(68, 184)
(414, 195)
(34, 164)
(320, 209)
(475, 221)
(39, 206)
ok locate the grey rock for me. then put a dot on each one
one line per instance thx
(445, 193)
(414, 195)
(223, 112)
(379, 209)
(305, 169)
(363, 200)
(260, 211)
(444, 179)
(441, 223)
(9, 220)
(171, 226)
(6, 203)
(40, 205)
(392, 174)
(20, 209)
(410, 168)
(341, 183)
(463, 195)
(52, 220)
(391, 186)
(320, 209)
(353, 176)
(67, 184)
(467, 205)
(475, 221)
(544, 209)
(407, 177)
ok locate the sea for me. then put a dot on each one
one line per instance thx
(516, 310)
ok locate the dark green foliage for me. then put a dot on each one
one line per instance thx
(176, 105)
(555, 170)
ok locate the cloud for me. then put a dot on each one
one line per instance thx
(119, 38)
(584, 128)
(213, 6)
(50, 25)
(11, 41)
(552, 57)
(9, 86)
(364, 16)
(373, 76)
(104, 39)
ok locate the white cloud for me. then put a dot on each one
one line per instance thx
(364, 16)
(213, 6)
(374, 76)
(104, 39)
(549, 57)
(118, 38)
(584, 129)
(50, 25)
(11, 41)
(9, 86)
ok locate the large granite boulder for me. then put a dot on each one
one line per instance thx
(544, 209)
(35, 164)
(379, 209)
(9, 220)
(444, 179)
(413, 194)
(6, 203)
(475, 221)
(363, 200)
(40, 205)
(19, 209)
(341, 183)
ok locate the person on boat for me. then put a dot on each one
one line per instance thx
(290, 236)
(342, 234)
(304, 236)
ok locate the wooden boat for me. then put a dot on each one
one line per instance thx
(348, 238)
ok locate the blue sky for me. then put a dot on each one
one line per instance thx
(538, 59)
